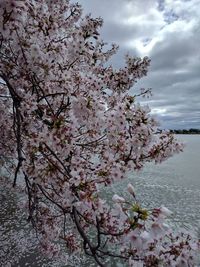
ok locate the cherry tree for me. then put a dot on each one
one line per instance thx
(70, 128)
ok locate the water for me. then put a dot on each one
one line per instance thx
(175, 184)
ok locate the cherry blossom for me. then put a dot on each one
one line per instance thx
(70, 127)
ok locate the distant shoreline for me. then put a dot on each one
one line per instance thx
(184, 131)
(188, 133)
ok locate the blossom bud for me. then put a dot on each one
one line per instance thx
(165, 211)
(131, 189)
(118, 199)
(145, 236)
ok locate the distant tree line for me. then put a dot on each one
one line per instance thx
(184, 131)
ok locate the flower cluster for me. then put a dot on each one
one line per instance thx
(149, 241)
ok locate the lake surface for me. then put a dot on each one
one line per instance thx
(175, 183)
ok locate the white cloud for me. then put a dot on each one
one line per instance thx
(158, 111)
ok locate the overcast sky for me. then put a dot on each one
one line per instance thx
(168, 31)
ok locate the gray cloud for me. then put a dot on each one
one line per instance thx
(168, 31)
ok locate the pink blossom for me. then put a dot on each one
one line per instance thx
(118, 199)
(165, 211)
(131, 189)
